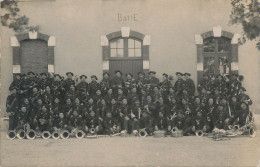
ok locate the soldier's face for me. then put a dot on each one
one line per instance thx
(61, 115)
(90, 101)
(183, 101)
(152, 75)
(26, 101)
(173, 100)
(103, 102)
(129, 77)
(234, 99)
(199, 114)
(118, 74)
(210, 101)
(171, 90)
(48, 89)
(144, 114)
(93, 79)
(57, 78)
(197, 100)
(124, 101)
(35, 90)
(120, 92)
(75, 113)
(39, 101)
(83, 79)
(160, 114)
(243, 106)
(164, 77)
(98, 92)
(69, 76)
(161, 100)
(23, 109)
(180, 115)
(105, 76)
(109, 115)
(72, 87)
(186, 77)
(134, 90)
(220, 108)
(149, 99)
(43, 77)
(77, 101)
(141, 76)
(110, 91)
(57, 100)
(155, 89)
(14, 91)
(44, 108)
(137, 103)
(113, 101)
(68, 101)
(92, 113)
(18, 77)
(179, 76)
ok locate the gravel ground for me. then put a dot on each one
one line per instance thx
(131, 151)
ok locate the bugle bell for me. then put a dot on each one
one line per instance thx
(55, 135)
(31, 134)
(199, 133)
(143, 133)
(80, 134)
(11, 134)
(175, 132)
(236, 127)
(21, 134)
(65, 134)
(252, 132)
(92, 130)
(46, 135)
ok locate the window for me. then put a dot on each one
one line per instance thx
(125, 47)
(216, 53)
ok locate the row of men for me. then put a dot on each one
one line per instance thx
(151, 116)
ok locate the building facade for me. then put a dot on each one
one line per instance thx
(92, 36)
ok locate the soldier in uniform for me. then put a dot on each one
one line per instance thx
(124, 116)
(61, 123)
(162, 122)
(75, 122)
(145, 123)
(129, 83)
(150, 106)
(135, 115)
(242, 116)
(82, 87)
(43, 81)
(79, 107)
(132, 96)
(243, 97)
(209, 110)
(68, 82)
(93, 122)
(42, 121)
(203, 83)
(22, 118)
(141, 81)
(178, 86)
(93, 86)
(29, 83)
(189, 83)
(56, 107)
(165, 85)
(117, 81)
(179, 121)
(105, 83)
(67, 107)
(17, 82)
(12, 105)
(199, 123)
(56, 86)
(110, 124)
(153, 81)
(221, 118)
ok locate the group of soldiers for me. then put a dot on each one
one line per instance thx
(48, 102)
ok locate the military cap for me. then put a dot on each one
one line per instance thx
(129, 74)
(141, 73)
(43, 73)
(83, 76)
(166, 75)
(106, 73)
(187, 74)
(69, 73)
(94, 76)
(30, 72)
(179, 73)
(152, 72)
(57, 75)
(219, 76)
(118, 71)
(242, 88)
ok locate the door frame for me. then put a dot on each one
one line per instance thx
(125, 32)
(32, 35)
(217, 32)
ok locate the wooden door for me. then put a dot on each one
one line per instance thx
(126, 65)
(34, 56)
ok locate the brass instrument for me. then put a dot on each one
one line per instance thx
(115, 129)
(80, 134)
(199, 133)
(31, 134)
(11, 134)
(175, 132)
(21, 134)
(46, 135)
(142, 133)
(55, 135)
(65, 134)
(92, 131)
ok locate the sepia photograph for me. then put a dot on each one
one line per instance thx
(130, 83)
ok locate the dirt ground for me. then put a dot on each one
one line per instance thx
(131, 151)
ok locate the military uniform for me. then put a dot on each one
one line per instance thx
(12, 109)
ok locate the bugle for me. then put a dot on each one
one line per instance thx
(65, 134)
(142, 133)
(80, 134)
(21, 134)
(31, 134)
(46, 135)
(175, 132)
(55, 135)
(199, 133)
(11, 134)
(92, 131)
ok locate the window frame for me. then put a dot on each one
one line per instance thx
(125, 48)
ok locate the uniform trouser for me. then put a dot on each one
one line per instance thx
(134, 124)
(12, 122)
(222, 125)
